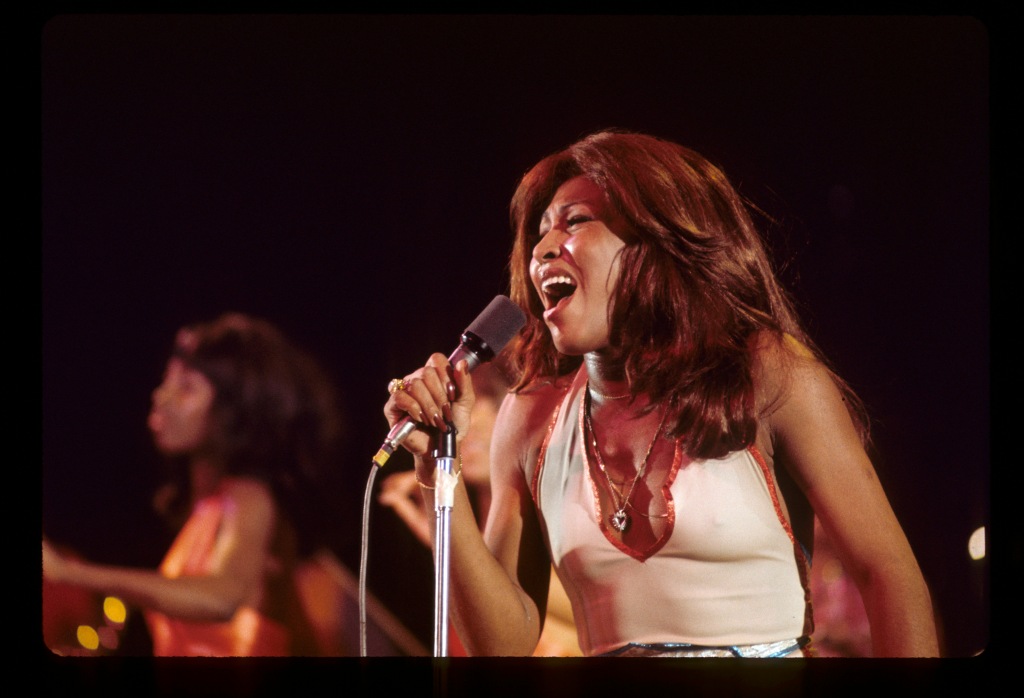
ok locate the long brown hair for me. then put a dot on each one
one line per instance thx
(701, 286)
(276, 415)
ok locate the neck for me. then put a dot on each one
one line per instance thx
(607, 382)
(204, 476)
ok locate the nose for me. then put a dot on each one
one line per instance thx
(549, 246)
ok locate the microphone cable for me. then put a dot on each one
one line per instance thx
(363, 548)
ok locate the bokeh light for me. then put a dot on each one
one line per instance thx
(114, 610)
(976, 544)
(88, 637)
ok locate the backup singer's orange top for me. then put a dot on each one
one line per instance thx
(199, 550)
(726, 571)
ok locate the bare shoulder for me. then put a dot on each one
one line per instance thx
(804, 411)
(524, 416)
(528, 409)
(785, 369)
(251, 495)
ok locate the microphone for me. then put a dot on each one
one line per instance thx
(483, 339)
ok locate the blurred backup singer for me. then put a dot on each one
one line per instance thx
(246, 421)
(666, 396)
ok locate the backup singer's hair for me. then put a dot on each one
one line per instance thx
(275, 414)
(701, 292)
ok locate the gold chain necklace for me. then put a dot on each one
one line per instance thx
(619, 519)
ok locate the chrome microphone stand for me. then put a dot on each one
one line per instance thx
(444, 498)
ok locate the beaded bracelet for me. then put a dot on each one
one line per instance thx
(428, 487)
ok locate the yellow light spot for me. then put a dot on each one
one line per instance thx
(976, 544)
(114, 610)
(88, 637)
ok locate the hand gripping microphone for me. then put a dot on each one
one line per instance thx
(483, 339)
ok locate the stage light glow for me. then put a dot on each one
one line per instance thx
(976, 544)
(88, 637)
(114, 610)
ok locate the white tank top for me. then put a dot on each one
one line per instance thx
(728, 571)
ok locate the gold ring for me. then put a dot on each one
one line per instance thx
(395, 385)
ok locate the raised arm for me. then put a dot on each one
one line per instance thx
(814, 437)
(499, 579)
(242, 543)
(512, 534)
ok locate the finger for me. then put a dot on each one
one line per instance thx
(398, 405)
(463, 381)
(401, 406)
(403, 403)
(436, 377)
(427, 391)
(445, 373)
(452, 391)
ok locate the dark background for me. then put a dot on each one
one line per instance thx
(348, 178)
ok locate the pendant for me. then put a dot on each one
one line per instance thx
(619, 520)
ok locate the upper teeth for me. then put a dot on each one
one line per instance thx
(556, 280)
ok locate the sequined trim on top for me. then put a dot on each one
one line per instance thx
(535, 480)
(641, 555)
(766, 650)
(803, 564)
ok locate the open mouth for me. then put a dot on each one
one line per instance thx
(557, 288)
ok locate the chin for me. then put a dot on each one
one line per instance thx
(573, 346)
(565, 347)
(582, 338)
(162, 449)
(165, 448)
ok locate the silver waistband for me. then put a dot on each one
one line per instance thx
(780, 648)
